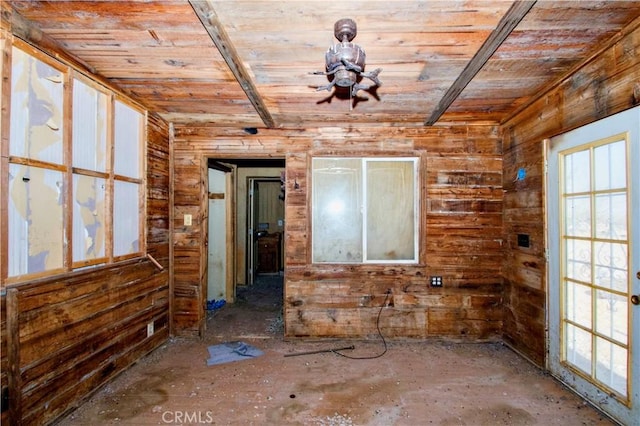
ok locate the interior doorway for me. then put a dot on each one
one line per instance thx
(237, 246)
(220, 234)
(265, 207)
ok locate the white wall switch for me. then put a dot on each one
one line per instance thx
(188, 219)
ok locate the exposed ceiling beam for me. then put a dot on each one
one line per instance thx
(509, 21)
(212, 24)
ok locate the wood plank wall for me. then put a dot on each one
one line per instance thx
(65, 336)
(601, 88)
(461, 219)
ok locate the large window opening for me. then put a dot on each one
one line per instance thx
(364, 210)
(75, 193)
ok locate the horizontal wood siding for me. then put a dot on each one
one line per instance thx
(460, 218)
(602, 87)
(64, 337)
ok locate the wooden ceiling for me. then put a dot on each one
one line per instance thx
(250, 63)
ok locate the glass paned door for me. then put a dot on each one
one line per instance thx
(593, 245)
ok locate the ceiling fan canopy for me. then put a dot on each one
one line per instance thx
(345, 61)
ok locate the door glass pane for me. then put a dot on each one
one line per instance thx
(578, 259)
(611, 211)
(35, 220)
(612, 315)
(578, 347)
(611, 365)
(611, 265)
(577, 168)
(89, 217)
(610, 166)
(578, 216)
(337, 210)
(390, 210)
(578, 304)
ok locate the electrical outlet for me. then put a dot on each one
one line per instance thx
(150, 329)
(188, 220)
(436, 281)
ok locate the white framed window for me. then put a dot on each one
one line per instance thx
(365, 210)
(76, 194)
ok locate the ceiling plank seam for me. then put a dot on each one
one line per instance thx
(220, 38)
(509, 21)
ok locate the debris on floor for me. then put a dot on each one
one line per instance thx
(230, 352)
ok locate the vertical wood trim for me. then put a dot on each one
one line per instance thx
(422, 192)
(13, 357)
(203, 227)
(67, 160)
(5, 94)
(142, 191)
(108, 234)
(230, 235)
(546, 147)
(172, 296)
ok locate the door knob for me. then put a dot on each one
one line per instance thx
(635, 299)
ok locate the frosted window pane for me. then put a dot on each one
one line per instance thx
(578, 260)
(35, 220)
(578, 348)
(127, 140)
(577, 171)
(36, 109)
(611, 365)
(89, 127)
(390, 210)
(578, 216)
(610, 166)
(337, 210)
(611, 216)
(89, 217)
(126, 219)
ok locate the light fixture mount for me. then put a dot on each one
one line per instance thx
(345, 61)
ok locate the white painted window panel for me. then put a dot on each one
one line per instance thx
(89, 217)
(126, 213)
(337, 210)
(36, 129)
(89, 127)
(127, 140)
(36, 237)
(391, 211)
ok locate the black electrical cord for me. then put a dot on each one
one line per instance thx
(384, 342)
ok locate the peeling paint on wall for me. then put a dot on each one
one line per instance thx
(35, 219)
(88, 218)
(36, 109)
(35, 210)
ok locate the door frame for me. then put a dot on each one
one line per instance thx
(250, 232)
(597, 396)
(230, 253)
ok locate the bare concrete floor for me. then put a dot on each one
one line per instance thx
(414, 383)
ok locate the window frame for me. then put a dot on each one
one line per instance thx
(417, 162)
(68, 170)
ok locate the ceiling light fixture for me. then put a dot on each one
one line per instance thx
(345, 61)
